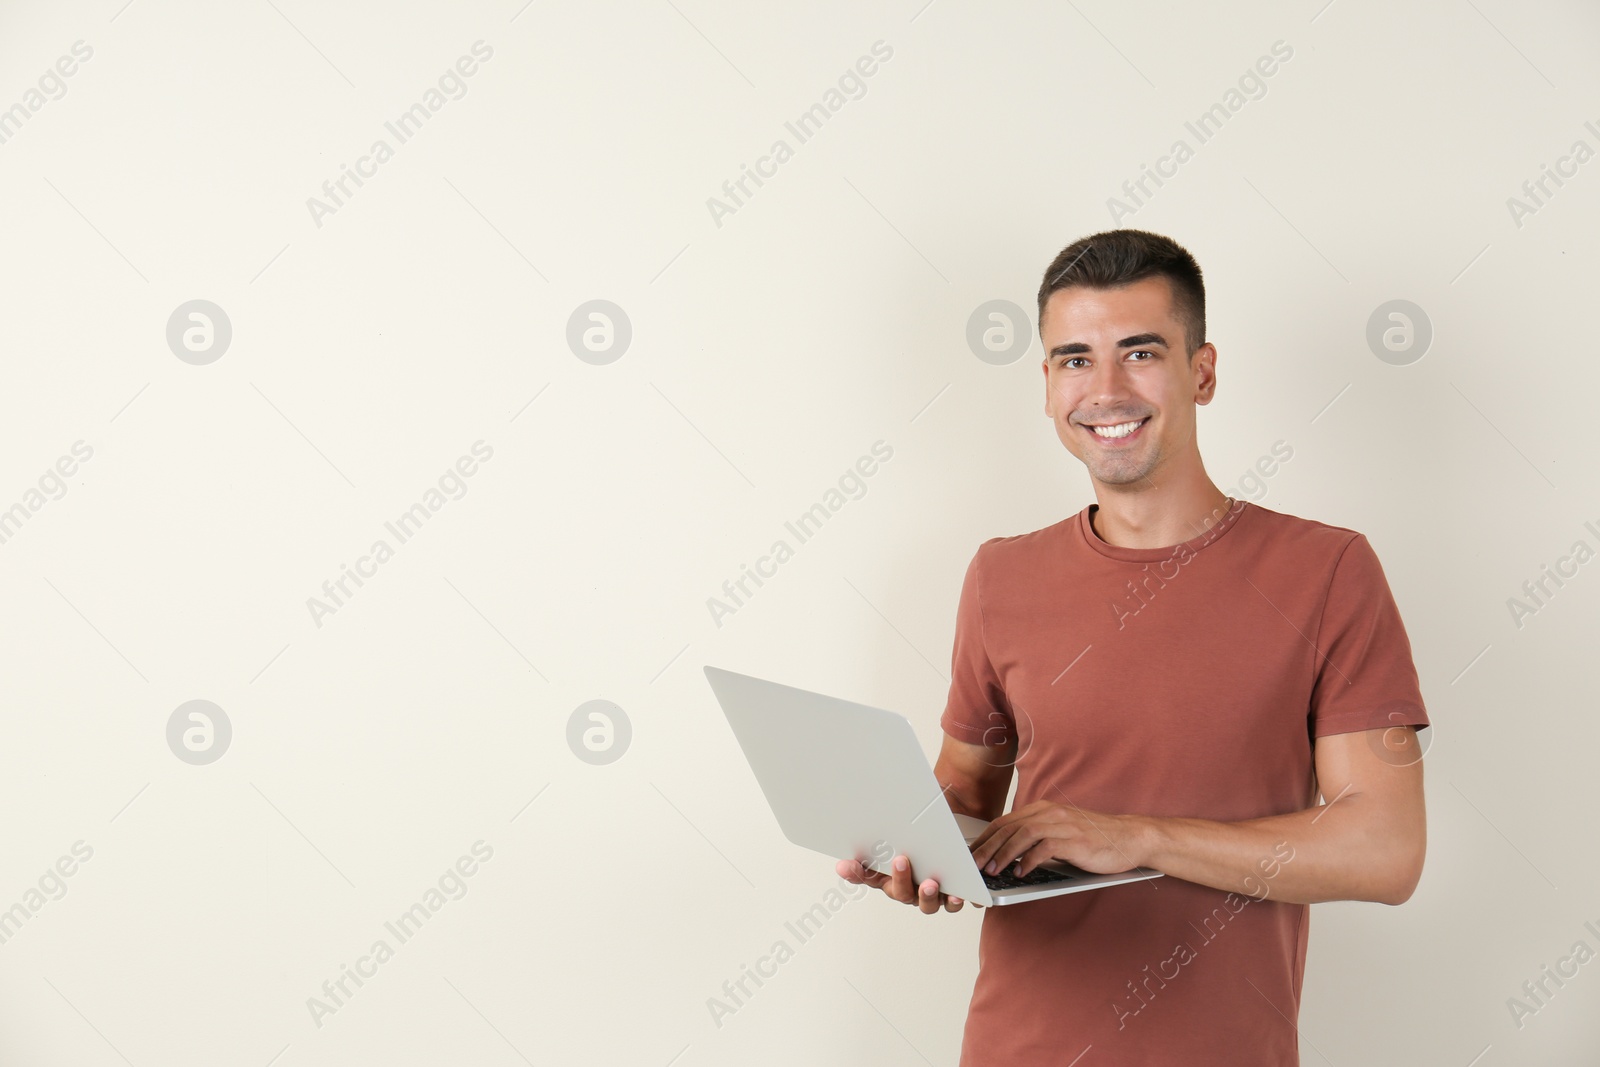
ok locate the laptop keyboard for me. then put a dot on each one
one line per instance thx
(1037, 876)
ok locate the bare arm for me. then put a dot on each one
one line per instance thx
(1366, 842)
(976, 778)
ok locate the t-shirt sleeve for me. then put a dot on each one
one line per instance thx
(1365, 678)
(977, 711)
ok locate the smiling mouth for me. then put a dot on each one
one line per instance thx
(1118, 431)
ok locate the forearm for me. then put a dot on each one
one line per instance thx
(1338, 851)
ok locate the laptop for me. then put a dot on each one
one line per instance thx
(852, 782)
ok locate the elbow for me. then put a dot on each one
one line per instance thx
(1406, 873)
(1396, 895)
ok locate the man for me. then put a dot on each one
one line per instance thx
(1175, 676)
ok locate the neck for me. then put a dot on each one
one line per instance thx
(1157, 520)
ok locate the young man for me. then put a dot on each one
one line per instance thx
(1174, 676)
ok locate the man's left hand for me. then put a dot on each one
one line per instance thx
(1095, 841)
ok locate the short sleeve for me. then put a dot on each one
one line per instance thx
(977, 711)
(1364, 678)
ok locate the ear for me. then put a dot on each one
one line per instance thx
(1205, 373)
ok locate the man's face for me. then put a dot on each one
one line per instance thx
(1117, 356)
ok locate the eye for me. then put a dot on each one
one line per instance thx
(1066, 361)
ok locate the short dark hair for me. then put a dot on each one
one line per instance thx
(1121, 257)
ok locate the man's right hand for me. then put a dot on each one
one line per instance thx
(901, 886)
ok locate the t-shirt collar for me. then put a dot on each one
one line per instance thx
(1217, 529)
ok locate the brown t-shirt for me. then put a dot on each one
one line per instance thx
(1184, 681)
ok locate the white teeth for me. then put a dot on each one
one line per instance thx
(1119, 430)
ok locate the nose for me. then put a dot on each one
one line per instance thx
(1107, 387)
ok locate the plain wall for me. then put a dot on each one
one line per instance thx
(372, 345)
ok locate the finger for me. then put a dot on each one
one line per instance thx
(1043, 852)
(997, 836)
(995, 826)
(952, 903)
(900, 887)
(1006, 848)
(1008, 858)
(867, 876)
(1021, 844)
(876, 880)
(928, 897)
(1008, 822)
(983, 847)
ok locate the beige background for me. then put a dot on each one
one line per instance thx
(768, 353)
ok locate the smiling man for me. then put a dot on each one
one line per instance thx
(1178, 680)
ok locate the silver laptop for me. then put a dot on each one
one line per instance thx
(852, 782)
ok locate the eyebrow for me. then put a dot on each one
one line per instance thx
(1138, 339)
